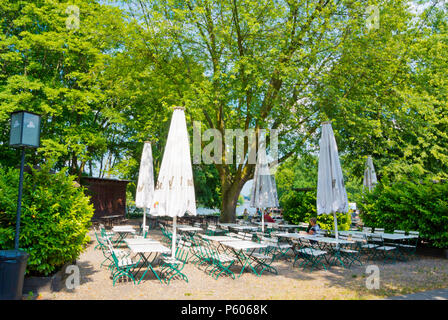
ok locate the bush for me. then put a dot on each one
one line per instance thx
(54, 221)
(409, 206)
(301, 206)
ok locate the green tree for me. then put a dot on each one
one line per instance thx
(258, 64)
(59, 70)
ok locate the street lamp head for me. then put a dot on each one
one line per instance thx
(25, 130)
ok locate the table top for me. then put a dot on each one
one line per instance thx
(388, 236)
(189, 228)
(288, 226)
(315, 238)
(111, 217)
(140, 241)
(123, 229)
(149, 248)
(220, 238)
(244, 244)
(241, 227)
(229, 224)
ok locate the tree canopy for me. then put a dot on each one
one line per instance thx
(109, 85)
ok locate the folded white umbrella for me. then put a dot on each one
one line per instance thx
(370, 179)
(264, 190)
(331, 194)
(174, 191)
(145, 186)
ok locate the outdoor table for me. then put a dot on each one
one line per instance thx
(189, 229)
(140, 241)
(228, 224)
(245, 228)
(145, 251)
(108, 220)
(244, 251)
(123, 232)
(288, 226)
(220, 239)
(386, 236)
(333, 242)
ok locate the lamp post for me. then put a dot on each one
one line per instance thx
(25, 133)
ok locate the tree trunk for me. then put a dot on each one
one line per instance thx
(228, 204)
(230, 194)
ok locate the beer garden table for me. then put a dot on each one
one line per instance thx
(333, 242)
(145, 250)
(244, 252)
(123, 232)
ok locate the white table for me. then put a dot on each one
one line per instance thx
(189, 229)
(288, 226)
(140, 241)
(123, 232)
(243, 251)
(314, 238)
(228, 224)
(245, 228)
(145, 251)
(219, 238)
(387, 236)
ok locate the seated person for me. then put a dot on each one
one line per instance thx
(245, 215)
(313, 227)
(268, 218)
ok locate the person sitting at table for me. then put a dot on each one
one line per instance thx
(313, 227)
(267, 217)
(245, 214)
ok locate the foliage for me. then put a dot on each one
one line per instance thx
(301, 206)
(411, 206)
(108, 86)
(62, 74)
(54, 221)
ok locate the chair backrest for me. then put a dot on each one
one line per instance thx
(247, 236)
(414, 233)
(399, 231)
(359, 237)
(343, 236)
(376, 238)
(379, 230)
(367, 229)
(240, 235)
(321, 233)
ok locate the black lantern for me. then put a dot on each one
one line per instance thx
(25, 133)
(25, 130)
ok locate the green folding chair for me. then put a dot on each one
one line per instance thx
(172, 267)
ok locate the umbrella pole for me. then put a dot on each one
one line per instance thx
(173, 240)
(262, 222)
(335, 225)
(144, 220)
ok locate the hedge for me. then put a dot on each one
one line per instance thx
(54, 221)
(301, 206)
(407, 205)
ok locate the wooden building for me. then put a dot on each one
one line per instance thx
(108, 196)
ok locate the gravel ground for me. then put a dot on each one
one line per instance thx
(418, 274)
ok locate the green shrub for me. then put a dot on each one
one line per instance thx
(54, 221)
(409, 206)
(301, 206)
